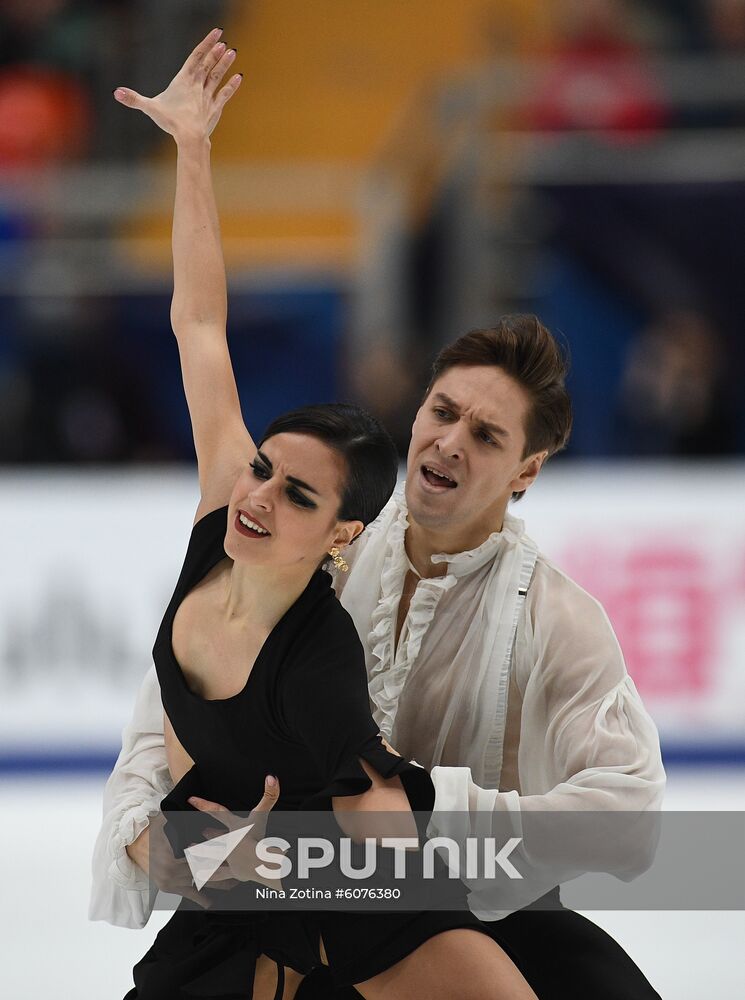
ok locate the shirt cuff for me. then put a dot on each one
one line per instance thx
(122, 869)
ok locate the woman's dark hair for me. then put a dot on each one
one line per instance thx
(367, 447)
(526, 350)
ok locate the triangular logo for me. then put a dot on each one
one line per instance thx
(204, 859)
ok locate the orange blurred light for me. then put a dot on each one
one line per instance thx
(44, 116)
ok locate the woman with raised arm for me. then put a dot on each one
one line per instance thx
(260, 668)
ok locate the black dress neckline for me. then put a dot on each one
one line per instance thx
(317, 579)
(303, 715)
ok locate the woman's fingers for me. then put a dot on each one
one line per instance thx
(204, 901)
(212, 831)
(205, 805)
(131, 98)
(222, 99)
(387, 745)
(154, 107)
(270, 797)
(218, 71)
(228, 90)
(197, 57)
(207, 65)
(222, 878)
(268, 800)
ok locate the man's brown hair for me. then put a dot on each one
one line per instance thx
(526, 350)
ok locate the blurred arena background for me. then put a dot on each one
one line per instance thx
(392, 173)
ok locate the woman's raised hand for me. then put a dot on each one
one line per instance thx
(191, 104)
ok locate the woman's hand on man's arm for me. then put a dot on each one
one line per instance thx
(152, 852)
(241, 864)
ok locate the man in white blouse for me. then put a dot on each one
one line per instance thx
(486, 664)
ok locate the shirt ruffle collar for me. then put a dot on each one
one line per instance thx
(388, 672)
(462, 563)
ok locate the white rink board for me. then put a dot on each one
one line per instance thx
(663, 549)
(89, 564)
(90, 560)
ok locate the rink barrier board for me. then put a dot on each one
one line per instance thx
(667, 563)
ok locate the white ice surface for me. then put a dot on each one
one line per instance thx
(50, 949)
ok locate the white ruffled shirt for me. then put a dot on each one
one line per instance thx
(508, 683)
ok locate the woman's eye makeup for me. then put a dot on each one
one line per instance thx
(298, 498)
(260, 471)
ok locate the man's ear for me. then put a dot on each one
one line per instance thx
(346, 533)
(529, 472)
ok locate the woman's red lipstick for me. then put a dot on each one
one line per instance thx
(247, 531)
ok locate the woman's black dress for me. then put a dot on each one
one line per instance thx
(303, 715)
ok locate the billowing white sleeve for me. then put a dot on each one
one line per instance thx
(120, 892)
(586, 744)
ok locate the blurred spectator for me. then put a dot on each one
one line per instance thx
(659, 250)
(389, 383)
(90, 46)
(598, 79)
(56, 34)
(701, 25)
(703, 28)
(69, 392)
(726, 22)
(671, 391)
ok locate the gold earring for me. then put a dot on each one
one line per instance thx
(339, 561)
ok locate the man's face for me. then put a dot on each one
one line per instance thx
(471, 429)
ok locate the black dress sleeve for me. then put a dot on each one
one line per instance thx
(184, 823)
(327, 708)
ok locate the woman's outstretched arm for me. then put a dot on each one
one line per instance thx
(188, 109)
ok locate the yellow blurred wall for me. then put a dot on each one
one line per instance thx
(328, 81)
